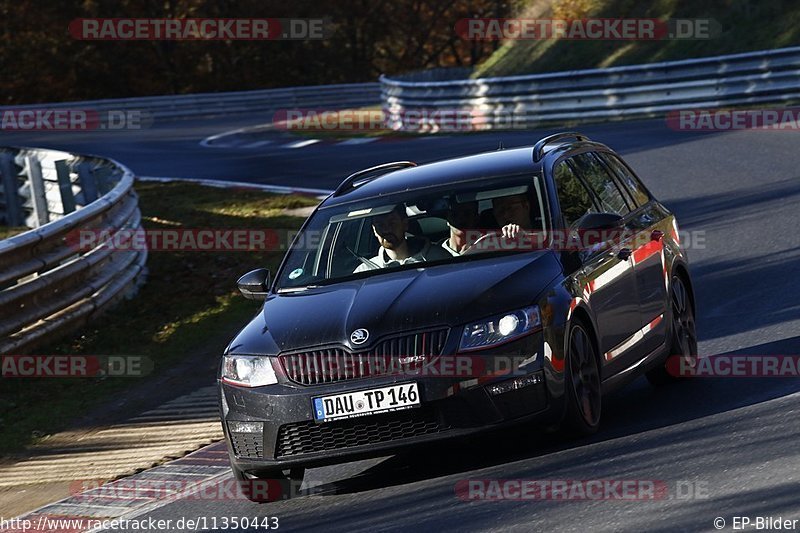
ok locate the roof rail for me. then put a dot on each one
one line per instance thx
(369, 174)
(538, 148)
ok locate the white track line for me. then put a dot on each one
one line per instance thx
(278, 189)
(301, 144)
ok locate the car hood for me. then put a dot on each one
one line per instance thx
(406, 300)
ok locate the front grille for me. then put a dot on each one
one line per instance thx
(399, 354)
(248, 445)
(308, 437)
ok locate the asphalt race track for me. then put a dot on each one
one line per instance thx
(731, 440)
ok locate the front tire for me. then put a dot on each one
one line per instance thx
(584, 394)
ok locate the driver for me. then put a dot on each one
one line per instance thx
(397, 249)
(513, 214)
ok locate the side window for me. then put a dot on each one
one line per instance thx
(573, 197)
(631, 182)
(600, 181)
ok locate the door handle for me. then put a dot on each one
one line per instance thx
(624, 254)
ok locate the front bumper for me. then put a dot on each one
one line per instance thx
(450, 407)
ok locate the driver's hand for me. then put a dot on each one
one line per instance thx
(510, 231)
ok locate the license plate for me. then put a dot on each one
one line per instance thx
(366, 402)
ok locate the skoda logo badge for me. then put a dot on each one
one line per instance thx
(359, 336)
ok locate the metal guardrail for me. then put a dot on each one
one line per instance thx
(214, 104)
(49, 285)
(628, 91)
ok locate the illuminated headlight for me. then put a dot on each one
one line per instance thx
(248, 370)
(500, 329)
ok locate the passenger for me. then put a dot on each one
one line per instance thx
(395, 248)
(463, 220)
(513, 214)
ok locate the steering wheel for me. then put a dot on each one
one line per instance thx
(365, 261)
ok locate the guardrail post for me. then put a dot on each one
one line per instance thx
(88, 184)
(33, 169)
(102, 177)
(65, 186)
(13, 214)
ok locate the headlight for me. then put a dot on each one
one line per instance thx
(500, 329)
(248, 370)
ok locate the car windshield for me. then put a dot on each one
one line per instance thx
(416, 229)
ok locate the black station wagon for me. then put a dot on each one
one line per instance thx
(430, 302)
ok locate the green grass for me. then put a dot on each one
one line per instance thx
(189, 307)
(746, 25)
(10, 231)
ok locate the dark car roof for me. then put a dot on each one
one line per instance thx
(486, 165)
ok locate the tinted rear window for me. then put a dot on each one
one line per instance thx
(602, 183)
(628, 179)
(573, 197)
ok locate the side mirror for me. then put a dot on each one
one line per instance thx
(255, 284)
(593, 229)
(598, 221)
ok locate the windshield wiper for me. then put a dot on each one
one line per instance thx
(317, 285)
(285, 290)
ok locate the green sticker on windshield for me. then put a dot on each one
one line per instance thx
(296, 273)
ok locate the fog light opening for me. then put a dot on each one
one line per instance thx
(515, 384)
(245, 427)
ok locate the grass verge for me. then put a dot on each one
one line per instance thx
(189, 307)
(744, 25)
(10, 231)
